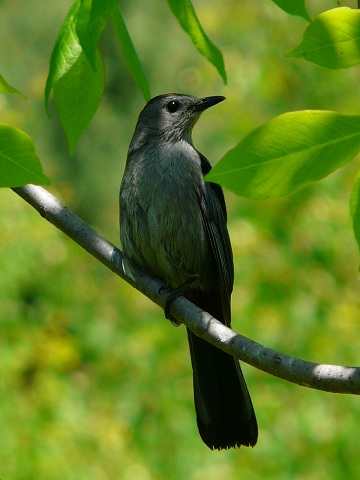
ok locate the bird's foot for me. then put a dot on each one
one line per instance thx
(175, 293)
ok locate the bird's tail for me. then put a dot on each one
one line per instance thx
(225, 414)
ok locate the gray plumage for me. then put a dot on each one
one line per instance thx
(173, 225)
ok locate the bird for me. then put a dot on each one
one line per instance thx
(173, 225)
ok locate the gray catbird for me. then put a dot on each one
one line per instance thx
(173, 225)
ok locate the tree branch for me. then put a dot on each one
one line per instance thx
(328, 378)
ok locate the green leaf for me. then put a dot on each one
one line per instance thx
(186, 16)
(129, 54)
(66, 51)
(77, 96)
(6, 88)
(19, 163)
(288, 153)
(355, 208)
(92, 17)
(294, 7)
(332, 40)
(78, 84)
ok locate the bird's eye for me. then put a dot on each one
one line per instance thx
(172, 106)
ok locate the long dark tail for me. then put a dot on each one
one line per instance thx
(225, 414)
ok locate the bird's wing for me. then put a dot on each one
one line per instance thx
(214, 216)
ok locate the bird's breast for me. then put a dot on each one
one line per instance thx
(167, 225)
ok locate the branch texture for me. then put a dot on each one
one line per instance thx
(329, 378)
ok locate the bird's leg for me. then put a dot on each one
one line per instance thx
(174, 294)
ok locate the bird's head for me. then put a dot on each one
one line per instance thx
(173, 115)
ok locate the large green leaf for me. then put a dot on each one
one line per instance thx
(6, 88)
(294, 7)
(77, 96)
(129, 54)
(66, 51)
(332, 40)
(19, 163)
(355, 208)
(186, 16)
(289, 152)
(92, 17)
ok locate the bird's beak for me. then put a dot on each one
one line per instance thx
(205, 103)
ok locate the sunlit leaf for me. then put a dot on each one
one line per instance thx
(6, 88)
(66, 51)
(92, 17)
(294, 7)
(355, 208)
(186, 16)
(289, 152)
(19, 163)
(77, 96)
(130, 55)
(332, 40)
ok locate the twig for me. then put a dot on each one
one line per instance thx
(330, 378)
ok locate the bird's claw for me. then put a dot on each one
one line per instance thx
(175, 293)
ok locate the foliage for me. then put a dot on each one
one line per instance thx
(294, 7)
(331, 40)
(186, 15)
(288, 153)
(18, 160)
(6, 88)
(95, 383)
(129, 53)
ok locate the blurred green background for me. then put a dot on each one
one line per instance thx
(94, 383)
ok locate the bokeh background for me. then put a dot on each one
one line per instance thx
(94, 383)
